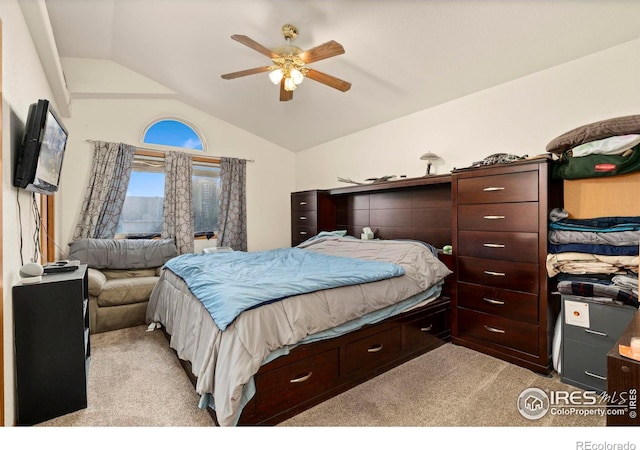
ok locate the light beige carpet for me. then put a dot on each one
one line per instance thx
(136, 381)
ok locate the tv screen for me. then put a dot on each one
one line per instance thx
(39, 161)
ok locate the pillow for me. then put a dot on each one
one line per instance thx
(614, 145)
(598, 130)
(123, 253)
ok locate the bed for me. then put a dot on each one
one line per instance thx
(280, 356)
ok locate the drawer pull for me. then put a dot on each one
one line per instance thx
(301, 378)
(593, 375)
(303, 232)
(597, 333)
(425, 329)
(486, 244)
(375, 348)
(302, 203)
(492, 301)
(494, 217)
(493, 188)
(303, 217)
(494, 330)
(495, 274)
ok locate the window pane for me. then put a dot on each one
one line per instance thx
(142, 210)
(206, 188)
(173, 133)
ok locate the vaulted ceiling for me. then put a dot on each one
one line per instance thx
(401, 56)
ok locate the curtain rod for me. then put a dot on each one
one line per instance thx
(164, 151)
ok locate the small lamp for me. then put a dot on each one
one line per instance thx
(429, 157)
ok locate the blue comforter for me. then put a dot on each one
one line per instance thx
(232, 282)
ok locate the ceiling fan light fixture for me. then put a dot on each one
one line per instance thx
(297, 76)
(289, 84)
(275, 76)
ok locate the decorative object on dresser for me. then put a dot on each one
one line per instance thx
(311, 212)
(590, 328)
(502, 304)
(52, 348)
(623, 378)
(429, 157)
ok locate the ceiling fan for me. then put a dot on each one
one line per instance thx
(289, 66)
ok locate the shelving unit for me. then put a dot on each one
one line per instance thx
(52, 345)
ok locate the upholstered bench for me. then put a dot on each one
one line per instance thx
(122, 273)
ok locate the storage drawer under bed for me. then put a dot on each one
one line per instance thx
(297, 382)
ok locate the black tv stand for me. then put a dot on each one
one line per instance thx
(52, 349)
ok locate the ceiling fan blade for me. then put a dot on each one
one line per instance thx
(329, 80)
(285, 95)
(254, 45)
(322, 51)
(244, 73)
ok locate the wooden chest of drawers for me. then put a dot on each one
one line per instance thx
(502, 304)
(311, 212)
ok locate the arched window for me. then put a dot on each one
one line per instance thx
(174, 133)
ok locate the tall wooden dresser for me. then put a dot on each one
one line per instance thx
(502, 304)
(311, 212)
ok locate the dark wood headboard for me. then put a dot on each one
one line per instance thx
(415, 208)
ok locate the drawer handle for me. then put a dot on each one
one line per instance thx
(494, 330)
(597, 333)
(494, 245)
(303, 203)
(375, 348)
(493, 188)
(495, 274)
(494, 217)
(301, 378)
(425, 329)
(593, 375)
(492, 301)
(303, 232)
(303, 217)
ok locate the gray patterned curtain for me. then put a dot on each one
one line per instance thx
(178, 212)
(106, 192)
(232, 216)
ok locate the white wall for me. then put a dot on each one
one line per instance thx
(519, 117)
(269, 177)
(23, 82)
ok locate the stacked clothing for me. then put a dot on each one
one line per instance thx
(595, 257)
(605, 148)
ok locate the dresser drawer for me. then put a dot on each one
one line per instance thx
(373, 350)
(499, 217)
(297, 382)
(303, 218)
(584, 365)
(512, 187)
(498, 330)
(499, 302)
(512, 246)
(606, 322)
(302, 233)
(515, 276)
(426, 330)
(304, 202)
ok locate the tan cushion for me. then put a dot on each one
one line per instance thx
(112, 274)
(96, 281)
(123, 291)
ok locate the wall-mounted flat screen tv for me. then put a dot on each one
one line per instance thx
(39, 160)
